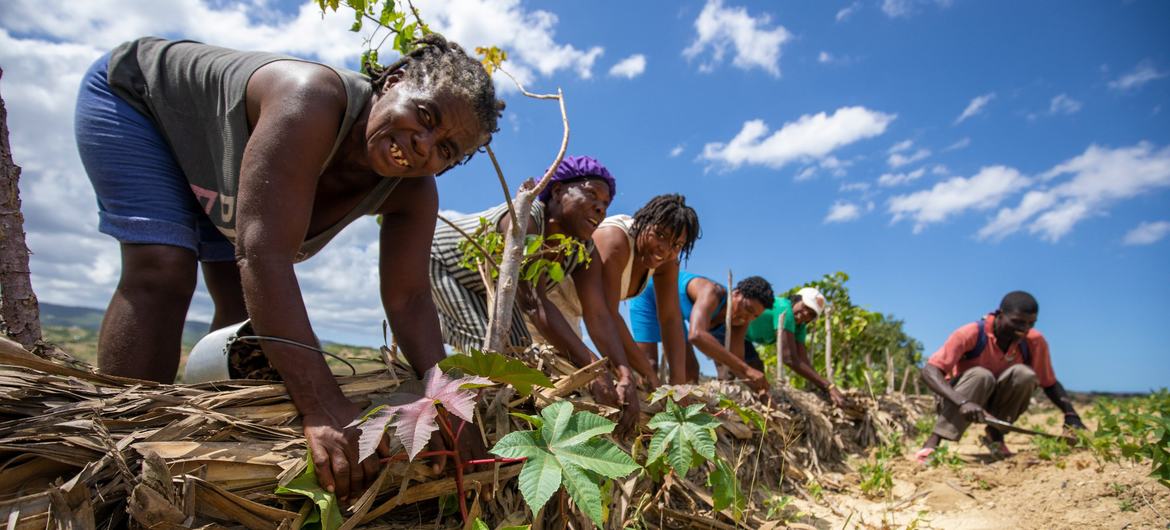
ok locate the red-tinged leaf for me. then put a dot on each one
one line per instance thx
(413, 411)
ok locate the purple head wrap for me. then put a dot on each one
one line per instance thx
(576, 168)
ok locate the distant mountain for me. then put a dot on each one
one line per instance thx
(88, 318)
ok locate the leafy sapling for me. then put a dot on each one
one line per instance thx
(566, 448)
(685, 436)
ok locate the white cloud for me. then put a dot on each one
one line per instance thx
(901, 146)
(898, 159)
(677, 150)
(976, 106)
(1147, 233)
(842, 211)
(939, 170)
(756, 46)
(855, 186)
(812, 136)
(848, 11)
(72, 263)
(630, 67)
(984, 190)
(806, 174)
(905, 8)
(1062, 104)
(898, 179)
(962, 143)
(1096, 179)
(1141, 74)
(824, 57)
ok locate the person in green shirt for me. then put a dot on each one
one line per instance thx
(799, 311)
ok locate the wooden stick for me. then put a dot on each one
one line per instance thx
(905, 379)
(829, 344)
(780, 376)
(719, 368)
(514, 242)
(889, 373)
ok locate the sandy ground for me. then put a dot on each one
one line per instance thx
(1022, 491)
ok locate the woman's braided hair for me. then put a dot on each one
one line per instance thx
(440, 65)
(671, 213)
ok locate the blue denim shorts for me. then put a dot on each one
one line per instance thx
(143, 196)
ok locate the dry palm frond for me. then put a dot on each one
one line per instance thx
(84, 450)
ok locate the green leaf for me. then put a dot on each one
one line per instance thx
(599, 456)
(556, 273)
(536, 421)
(584, 425)
(498, 368)
(583, 490)
(327, 515)
(532, 243)
(725, 489)
(556, 419)
(749, 416)
(519, 444)
(683, 435)
(479, 525)
(568, 442)
(540, 478)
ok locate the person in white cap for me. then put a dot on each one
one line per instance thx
(799, 311)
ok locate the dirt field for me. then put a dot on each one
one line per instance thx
(1022, 491)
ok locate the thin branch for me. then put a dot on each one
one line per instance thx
(564, 144)
(526, 92)
(417, 17)
(503, 183)
(468, 237)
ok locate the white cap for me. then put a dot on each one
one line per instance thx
(812, 298)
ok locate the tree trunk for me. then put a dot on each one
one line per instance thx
(19, 311)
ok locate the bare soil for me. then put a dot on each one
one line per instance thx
(1021, 491)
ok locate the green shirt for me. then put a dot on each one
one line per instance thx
(762, 330)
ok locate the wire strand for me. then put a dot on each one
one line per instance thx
(353, 371)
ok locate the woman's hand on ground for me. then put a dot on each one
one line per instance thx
(627, 394)
(334, 449)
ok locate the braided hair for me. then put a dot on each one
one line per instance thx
(669, 211)
(440, 65)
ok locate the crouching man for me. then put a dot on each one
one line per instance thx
(988, 369)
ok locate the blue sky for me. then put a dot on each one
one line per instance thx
(940, 152)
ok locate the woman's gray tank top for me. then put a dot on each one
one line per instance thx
(195, 93)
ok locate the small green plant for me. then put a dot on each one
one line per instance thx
(1127, 505)
(1118, 488)
(815, 489)
(982, 484)
(1134, 429)
(923, 426)
(944, 457)
(542, 255)
(778, 507)
(918, 521)
(1051, 449)
(686, 437)
(877, 479)
(566, 449)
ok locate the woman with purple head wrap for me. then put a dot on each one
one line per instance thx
(574, 204)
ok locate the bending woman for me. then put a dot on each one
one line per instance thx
(249, 162)
(573, 204)
(634, 250)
